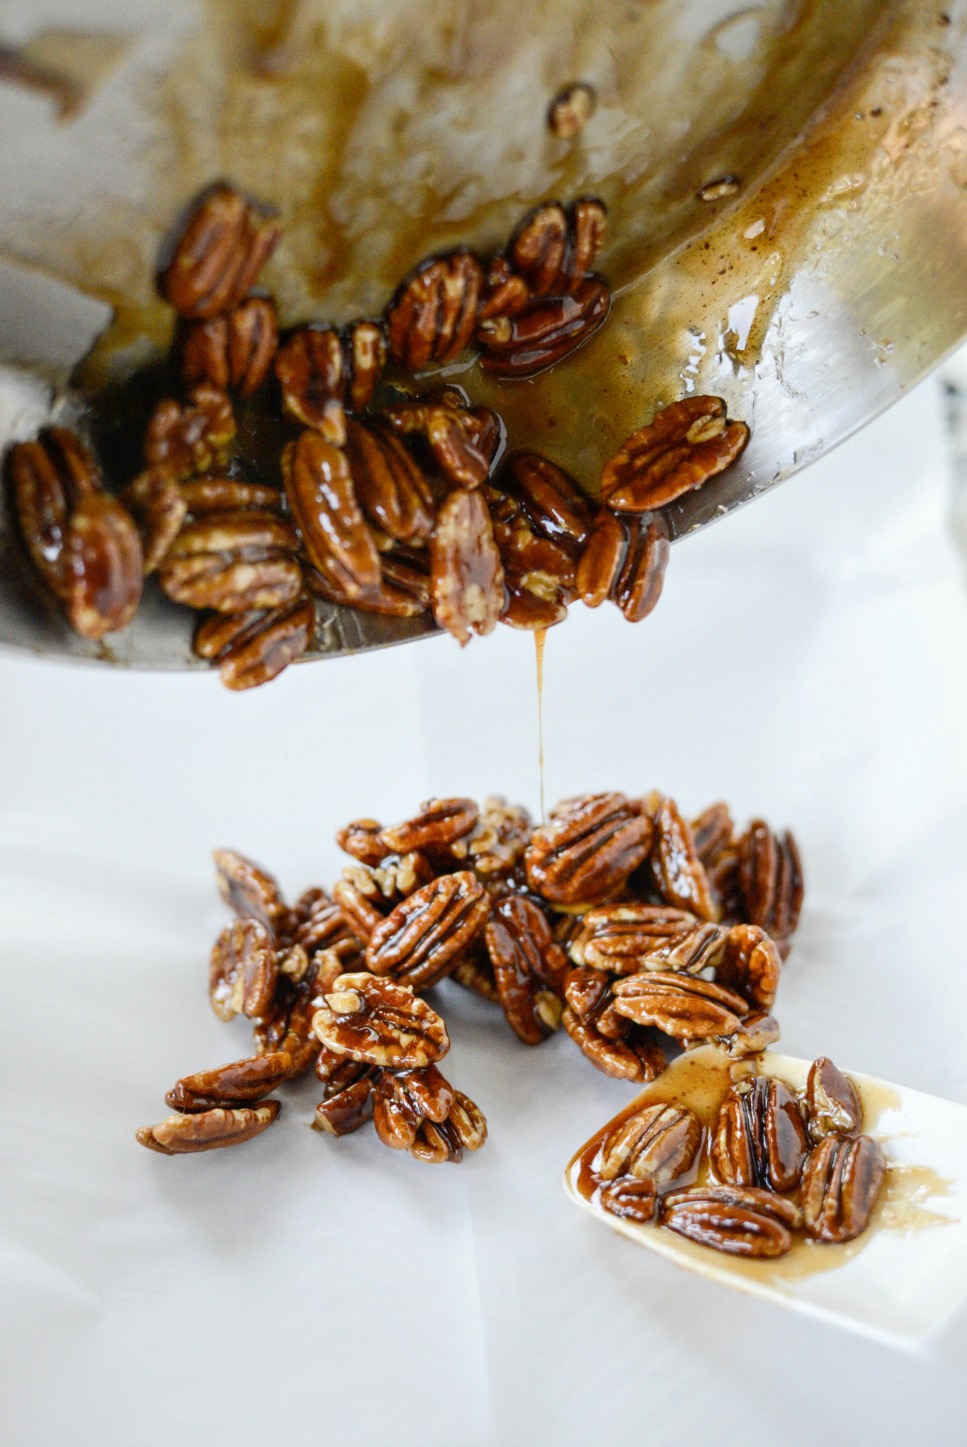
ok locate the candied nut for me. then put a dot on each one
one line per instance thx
(756, 1033)
(249, 889)
(571, 109)
(402, 592)
(209, 1129)
(392, 491)
(234, 1084)
(588, 849)
(683, 446)
(233, 562)
(832, 1102)
(588, 992)
(545, 331)
(683, 1007)
(317, 922)
(750, 965)
(504, 292)
(264, 644)
(222, 247)
(624, 561)
(528, 967)
(419, 942)
(498, 839)
(551, 501)
(463, 442)
(158, 507)
(380, 1022)
(760, 1136)
(322, 372)
(233, 351)
(243, 970)
(657, 1143)
(229, 494)
(440, 823)
(739, 1220)
(464, 1129)
(362, 914)
(433, 314)
(631, 1199)
(363, 839)
(348, 1108)
(630, 937)
(475, 972)
(626, 1060)
(192, 436)
(554, 249)
(538, 573)
(678, 871)
(712, 833)
(319, 486)
(288, 1026)
(466, 575)
(48, 478)
(770, 879)
(403, 1098)
(840, 1183)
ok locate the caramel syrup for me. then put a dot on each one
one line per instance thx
(539, 636)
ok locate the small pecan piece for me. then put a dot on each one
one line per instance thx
(209, 1129)
(544, 332)
(760, 1136)
(380, 1022)
(466, 575)
(349, 1105)
(464, 1129)
(739, 1220)
(233, 562)
(222, 247)
(504, 292)
(235, 1084)
(249, 890)
(432, 317)
(192, 436)
(750, 965)
(391, 488)
(588, 849)
(571, 109)
(770, 879)
(832, 1103)
(624, 561)
(626, 1060)
(233, 351)
(657, 1143)
(158, 507)
(243, 971)
(419, 942)
(683, 1007)
(475, 972)
(756, 1033)
(497, 840)
(260, 645)
(630, 937)
(322, 371)
(319, 486)
(631, 1199)
(402, 1098)
(555, 248)
(840, 1183)
(440, 823)
(681, 448)
(528, 964)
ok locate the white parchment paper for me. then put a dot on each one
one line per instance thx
(806, 663)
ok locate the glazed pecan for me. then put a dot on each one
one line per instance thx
(229, 494)
(363, 839)
(249, 890)
(539, 575)
(770, 880)
(392, 491)
(394, 878)
(683, 446)
(627, 1060)
(379, 1022)
(319, 486)
(624, 561)
(832, 1103)
(158, 507)
(555, 248)
(234, 563)
(216, 259)
(440, 823)
(629, 937)
(288, 1026)
(243, 970)
(497, 840)
(504, 292)
(528, 967)
(463, 441)
(348, 1102)
(323, 372)
(684, 1008)
(589, 994)
(571, 109)
(233, 351)
(402, 1098)
(318, 923)
(357, 904)
(756, 1033)
(48, 478)
(236, 1084)
(466, 575)
(191, 436)
(750, 964)
(403, 590)
(260, 645)
(760, 1136)
(712, 833)
(475, 972)
(550, 500)
(545, 331)
(209, 1129)
(840, 1183)
(464, 1129)
(419, 942)
(739, 1220)
(631, 1199)
(433, 314)
(588, 849)
(678, 871)
(657, 1143)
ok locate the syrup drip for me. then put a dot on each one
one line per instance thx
(539, 635)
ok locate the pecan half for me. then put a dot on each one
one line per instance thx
(363, 839)
(504, 292)
(209, 1129)
(380, 1022)
(358, 906)
(235, 1084)
(624, 561)
(347, 1109)
(683, 1007)
(538, 573)
(229, 494)
(158, 507)
(545, 331)
(631, 1199)
(629, 937)
(222, 247)
(322, 371)
(466, 575)
(832, 1103)
(288, 1026)
(588, 849)
(192, 436)
(233, 563)
(262, 645)
(657, 1143)
(626, 1060)
(233, 351)
(555, 248)
(463, 441)
(403, 1098)
(750, 964)
(678, 871)
(840, 1183)
(392, 491)
(712, 833)
(739, 1220)
(464, 1129)
(760, 1136)
(317, 922)
(683, 446)
(571, 109)
(419, 942)
(440, 823)
(498, 839)
(770, 879)
(319, 486)
(249, 890)
(243, 971)
(756, 1033)
(528, 967)
(402, 592)
(48, 478)
(550, 500)
(433, 314)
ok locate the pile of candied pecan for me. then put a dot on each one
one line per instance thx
(771, 1164)
(641, 933)
(383, 497)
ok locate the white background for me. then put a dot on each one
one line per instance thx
(807, 663)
